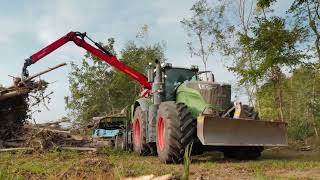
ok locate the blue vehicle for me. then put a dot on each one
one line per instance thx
(112, 128)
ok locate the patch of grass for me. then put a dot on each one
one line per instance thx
(206, 164)
(130, 164)
(8, 176)
(119, 164)
(38, 164)
(259, 175)
(187, 161)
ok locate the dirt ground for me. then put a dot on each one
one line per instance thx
(110, 164)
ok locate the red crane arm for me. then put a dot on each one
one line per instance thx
(103, 54)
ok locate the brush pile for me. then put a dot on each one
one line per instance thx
(14, 106)
(51, 135)
(16, 100)
(17, 131)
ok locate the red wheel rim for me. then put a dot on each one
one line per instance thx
(136, 132)
(161, 134)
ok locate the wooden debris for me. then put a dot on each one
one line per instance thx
(18, 82)
(48, 129)
(14, 93)
(151, 177)
(14, 103)
(16, 134)
(17, 149)
(306, 148)
(79, 149)
(43, 72)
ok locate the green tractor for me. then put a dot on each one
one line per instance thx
(188, 106)
(179, 107)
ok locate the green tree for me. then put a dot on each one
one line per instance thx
(205, 27)
(98, 89)
(303, 121)
(123, 88)
(237, 47)
(89, 86)
(275, 47)
(307, 12)
(264, 47)
(304, 111)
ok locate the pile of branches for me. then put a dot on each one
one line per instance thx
(44, 136)
(15, 103)
(51, 135)
(14, 107)
(16, 128)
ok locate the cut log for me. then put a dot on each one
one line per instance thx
(17, 149)
(43, 72)
(18, 92)
(22, 83)
(48, 129)
(79, 149)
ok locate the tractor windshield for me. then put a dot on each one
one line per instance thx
(173, 78)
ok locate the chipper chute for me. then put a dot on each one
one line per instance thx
(218, 131)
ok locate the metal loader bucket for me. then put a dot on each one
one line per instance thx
(240, 132)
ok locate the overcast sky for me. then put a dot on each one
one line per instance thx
(28, 26)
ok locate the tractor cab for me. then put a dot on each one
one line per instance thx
(173, 78)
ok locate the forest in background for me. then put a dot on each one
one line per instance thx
(275, 57)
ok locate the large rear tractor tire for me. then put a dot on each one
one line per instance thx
(250, 112)
(175, 130)
(139, 133)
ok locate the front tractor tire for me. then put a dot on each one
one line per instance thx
(139, 133)
(175, 130)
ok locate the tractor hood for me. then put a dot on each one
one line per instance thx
(213, 93)
(200, 96)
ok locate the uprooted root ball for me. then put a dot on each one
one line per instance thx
(13, 113)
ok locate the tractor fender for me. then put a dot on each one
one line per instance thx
(149, 111)
(144, 103)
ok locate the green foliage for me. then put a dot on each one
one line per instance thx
(123, 89)
(264, 48)
(265, 95)
(271, 47)
(306, 13)
(187, 161)
(89, 87)
(204, 27)
(6, 175)
(275, 45)
(265, 3)
(98, 89)
(301, 102)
